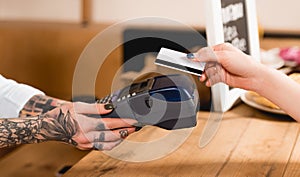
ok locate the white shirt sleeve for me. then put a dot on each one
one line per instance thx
(13, 97)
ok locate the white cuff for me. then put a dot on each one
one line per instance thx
(13, 97)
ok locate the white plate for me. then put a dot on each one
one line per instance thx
(271, 58)
(259, 106)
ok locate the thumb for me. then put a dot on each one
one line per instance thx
(205, 54)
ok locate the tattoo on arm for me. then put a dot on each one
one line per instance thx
(38, 129)
(40, 104)
(19, 131)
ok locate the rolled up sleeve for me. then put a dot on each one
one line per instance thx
(13, 97)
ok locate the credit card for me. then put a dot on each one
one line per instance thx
(178, 61)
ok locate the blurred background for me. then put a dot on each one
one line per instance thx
(272, 15)
(41, 41)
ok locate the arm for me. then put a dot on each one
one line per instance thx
(40, 104)
(281, 90)
(231, 66)
(49, 119)
(13, 97)
(67, 123)
(15, 131)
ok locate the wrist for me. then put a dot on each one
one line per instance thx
(58, 126)
(259, 78)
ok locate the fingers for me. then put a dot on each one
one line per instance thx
(104, 140)
(90, 123)
(112, 123)
(102, 124)
(215, 57)
(86, 108)
(105, 146)
(107, 136)
(213, 53)
(203, 77)
(100, 145)
(104, 108)
(214, 73)
(205, 54)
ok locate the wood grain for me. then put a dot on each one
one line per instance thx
(36, 160)
(243, 146)
(293, 167)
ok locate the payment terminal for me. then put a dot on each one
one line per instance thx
(166, 101)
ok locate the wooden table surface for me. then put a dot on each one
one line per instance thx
(248, 143)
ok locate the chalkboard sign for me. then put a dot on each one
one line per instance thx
(235, 26)
(233, 21)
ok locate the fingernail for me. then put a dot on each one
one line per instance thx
(190, 56)
(109, 106)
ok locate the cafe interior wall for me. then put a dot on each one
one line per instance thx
(272, 14)
(41, 40)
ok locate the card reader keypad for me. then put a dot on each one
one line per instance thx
(107, 99)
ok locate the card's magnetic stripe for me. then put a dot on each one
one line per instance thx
(185, 68)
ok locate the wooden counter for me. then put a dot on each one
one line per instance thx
(248, 143)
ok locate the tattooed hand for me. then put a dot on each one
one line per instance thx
(70, 123)
(51, 119)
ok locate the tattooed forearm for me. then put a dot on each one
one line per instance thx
(38, 129)
(19, 131)
(40, 104)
